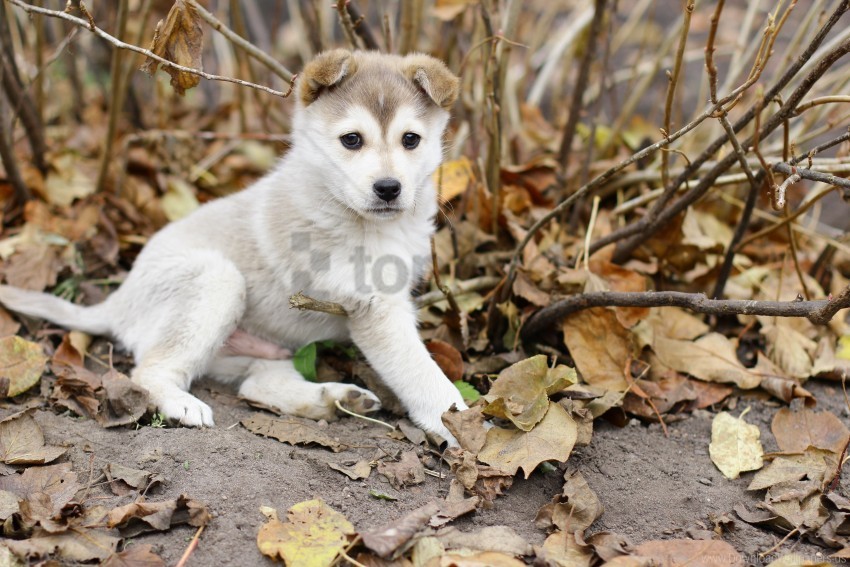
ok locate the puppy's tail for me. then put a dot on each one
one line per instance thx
(92, 320)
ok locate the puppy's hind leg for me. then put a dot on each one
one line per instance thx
(276, 383)
(201, 302)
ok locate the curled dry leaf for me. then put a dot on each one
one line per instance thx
(124, 480)
(468, 427)
(295, 431)
(137, 555)
(574, 510)
(387, 539)
(511, 449)
(407, 471)
(140, 516)
(453, 509)
(21, 365)
(501, 539)
(357, 471)
(700, 553)
(312, 536)
(22, 442)
(72, 546)
(521, 392)
(796, 431)
(179, 39)
(735, 445)
(447, 357)
(562, 550)
(815, 464)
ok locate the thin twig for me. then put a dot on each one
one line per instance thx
(819, 312)
(361, 27)
(363, 417)
(10, 163)
(304, 303)
(116, 96)
(273, 65)
(346, 23)
(819, 101)
(146, 52)
(673, 79)
(192, 545)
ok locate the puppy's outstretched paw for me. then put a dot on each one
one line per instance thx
(352, 398)
(186, 409)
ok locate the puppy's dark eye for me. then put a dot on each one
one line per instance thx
(410, 140)
(352, 141)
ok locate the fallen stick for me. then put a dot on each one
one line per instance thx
(819, 312)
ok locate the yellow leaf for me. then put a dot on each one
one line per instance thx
(21, 363)
(67, 180)
(312, 536)
(551, 439)
(844, 347)
(735, 445)
(711, 358)
(179, 200)
(452, 178)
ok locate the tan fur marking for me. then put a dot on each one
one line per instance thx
(327, 69)
(433, 77)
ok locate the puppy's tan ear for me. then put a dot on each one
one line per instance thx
(433, 77)
(325, 70)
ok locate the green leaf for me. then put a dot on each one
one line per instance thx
(469, 393)
(304, 361)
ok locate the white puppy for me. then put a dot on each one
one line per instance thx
(346, 217)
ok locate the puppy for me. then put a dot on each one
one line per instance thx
(346, 216)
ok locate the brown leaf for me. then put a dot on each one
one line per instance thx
(179, 39)
(709, 393)
(76, 546)
(600, 347)
(8, 325)
(481, 559)
(449, 9)
(137, 555)
(295, 431)
(700, 553)
(140, 516)
(552, 439)
(574, 510)
(407, 471)
(468, 428)
(21, 365)
(562, 550)
(22, 442)
(357, 471)
(712, 358)
(451, 510)
(124, 480)
(786, 390)
(385, 540)
(123, 401)
(35, 263)
(500, 539)
(447, 357)
(617, 278)
(665, 395)
(47, 489)
(818, 465)
(521, 392)
(796, 431)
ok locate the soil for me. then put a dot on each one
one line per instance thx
(652, 486)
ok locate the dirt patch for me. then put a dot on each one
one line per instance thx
(652, 486)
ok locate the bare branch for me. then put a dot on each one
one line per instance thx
(136, 49)
(818, 312)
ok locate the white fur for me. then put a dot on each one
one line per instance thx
(234, 263)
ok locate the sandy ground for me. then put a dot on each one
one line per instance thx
(652, 487)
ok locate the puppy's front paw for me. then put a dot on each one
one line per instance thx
(352, 398)
(185, 409)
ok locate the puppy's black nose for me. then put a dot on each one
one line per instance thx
(387, 189)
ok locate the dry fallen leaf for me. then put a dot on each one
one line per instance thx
(574, 510)
(407, 471)
(46, 489)
(386, 539)
(447, 357)
(22, 442)
(699, 553)
(72, 546)
(179, 39)
(500, 539)
(357, 471)
(521, 392)
(511, 449)
(468, 428)
(600, 347)
(137, 555)
(711, 358)
(141, 516)
(295, 431)
(735, 445)
(453, 177)
(796, 431)
(562, 550)
(312, 536)
(21, 365)
(814, 464)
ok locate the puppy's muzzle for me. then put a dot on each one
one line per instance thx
(387, 189)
